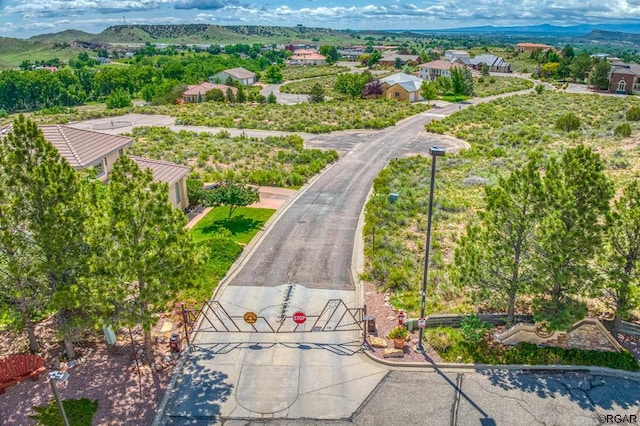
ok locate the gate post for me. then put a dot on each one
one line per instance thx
(186, 330)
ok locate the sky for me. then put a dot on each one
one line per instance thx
(25, 18)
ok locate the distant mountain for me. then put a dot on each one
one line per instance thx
(610, 36)
(543, 29)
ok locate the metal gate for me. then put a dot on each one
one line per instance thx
(214, 321)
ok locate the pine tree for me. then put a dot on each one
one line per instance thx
(316, 95)
(577, 195)
(46, 215)
(495, 257)
(147, 256)
(621, 258)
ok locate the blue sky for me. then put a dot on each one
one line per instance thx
(24, 18)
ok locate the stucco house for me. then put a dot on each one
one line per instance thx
(532, 47)
(402, 87)
(434, 69)
(450, 55)
(390, 59)
(241, 75)
(195, 92)
(625, 78)
(85, 149)
(307, 59)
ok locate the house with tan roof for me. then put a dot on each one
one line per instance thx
(307, 59)
(85, 149)
(195, 92)
(241, 75)
(434, 69)
(624, 78)
(532, 47)
(391, 58)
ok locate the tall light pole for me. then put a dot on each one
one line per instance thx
(434, 152)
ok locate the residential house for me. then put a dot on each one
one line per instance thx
(450, 55)
(625, 78)
(390, 59)
(434, 69)
(307, 59)
(85, 149)
(532, 47)
(195, 92)
(495, 63)
(241, 75)
(170, 173)
(402, 87)
(351, 54)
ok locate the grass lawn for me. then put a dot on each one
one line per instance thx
(242, 226)
(453, 98)
(225, 239)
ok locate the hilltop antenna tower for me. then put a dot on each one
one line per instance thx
(124, 21)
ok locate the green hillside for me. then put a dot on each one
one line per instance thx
(15, 50)
(66, 36)
(215, 34)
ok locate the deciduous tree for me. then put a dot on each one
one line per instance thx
(232, 195)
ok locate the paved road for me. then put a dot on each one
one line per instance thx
(300, 263)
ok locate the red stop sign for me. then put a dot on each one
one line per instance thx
(299, 317)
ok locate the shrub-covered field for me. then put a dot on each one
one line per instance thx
(313, 118)
(501, 134)
(275, 161)
(299, 72)
(304, 87)
(490, 86)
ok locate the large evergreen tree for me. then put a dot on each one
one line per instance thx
(496, 256)
(147, 256)
(577, 195)
(43, 217)
(620, 261)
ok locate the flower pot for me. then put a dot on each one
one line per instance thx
(398, 343)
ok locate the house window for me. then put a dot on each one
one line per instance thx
(99, 168)
(178, 197)
(622, 86)
(397, 94)
(121, 152)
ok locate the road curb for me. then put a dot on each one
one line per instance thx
(602, 371)
(160, 412)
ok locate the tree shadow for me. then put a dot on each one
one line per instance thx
(587, 390)
(237, 225)
(198, 393)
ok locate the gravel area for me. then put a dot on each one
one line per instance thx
(385, 316)
(103, 373)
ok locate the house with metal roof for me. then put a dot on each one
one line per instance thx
(495, 63)
(402, 87)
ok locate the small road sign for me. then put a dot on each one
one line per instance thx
(422, 323)
(299, 317)
(250, 317)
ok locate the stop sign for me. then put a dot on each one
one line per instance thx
(299, 317)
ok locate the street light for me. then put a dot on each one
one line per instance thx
(434, 152)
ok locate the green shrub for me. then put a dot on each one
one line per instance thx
(623, 130)
(539, 89)
(473, 329)
(438, 339)
(79, 412)
(633, 114)
(568, 122)
(118, 99)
